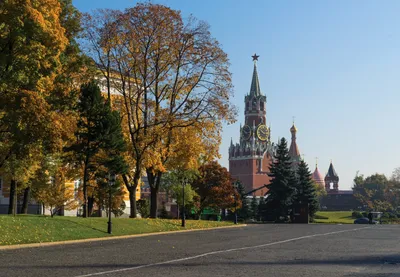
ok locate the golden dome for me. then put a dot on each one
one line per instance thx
(293, 129)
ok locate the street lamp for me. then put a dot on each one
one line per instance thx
(183, 203)
(111, 182)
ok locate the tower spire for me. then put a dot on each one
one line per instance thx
(294, 149)
(255, 85)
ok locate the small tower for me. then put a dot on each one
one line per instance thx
(318, 177)
(294, 152)
(331, 177)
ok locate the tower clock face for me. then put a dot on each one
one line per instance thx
(262, 132)
(246, 132)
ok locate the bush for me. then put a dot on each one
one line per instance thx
(120, 210)
(389, 215)
(320, 217)
(390, 220)
(143, 207)
(364, 214)
(356, 214)
(386, 215)
(164, 214)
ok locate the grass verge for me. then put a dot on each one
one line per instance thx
(24, 229)
(335, 217)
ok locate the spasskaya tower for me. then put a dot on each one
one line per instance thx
(250, 159)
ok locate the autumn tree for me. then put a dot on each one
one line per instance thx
(31, 41)
(40, 67)
(20, 171)
(215, 187)
(49, 184)
(99, 31)
(172, 74)
(392, 193)
(372, 191)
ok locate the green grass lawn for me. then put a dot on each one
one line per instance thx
(24, 229)
(335, 217)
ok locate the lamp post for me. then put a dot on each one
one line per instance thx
(111, 182)
(183, 204)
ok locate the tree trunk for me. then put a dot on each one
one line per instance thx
(132, 193)
(24, 208)
(11, 204)
(51, 211)
(85, 194)
(99, 211)
(154, 182)
(90, 206)
(153, 202)
(132, 201)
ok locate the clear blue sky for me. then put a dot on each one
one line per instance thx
(334, 65)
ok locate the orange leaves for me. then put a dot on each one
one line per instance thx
(45, 14)
(215, 187)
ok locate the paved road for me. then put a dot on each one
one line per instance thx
(256, 250)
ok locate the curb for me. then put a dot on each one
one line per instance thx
(54, 243)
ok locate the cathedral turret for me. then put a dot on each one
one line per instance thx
(294, 152)
(318, 177)
(331, 178)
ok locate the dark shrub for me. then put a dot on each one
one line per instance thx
(364, 214)
(356, 214)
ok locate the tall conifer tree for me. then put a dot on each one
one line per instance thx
(244, 211)
(254, 207)
(261, 209)
(305, 189)
(282, 186)
(99, 129)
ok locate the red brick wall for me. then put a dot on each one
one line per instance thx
(247, 171)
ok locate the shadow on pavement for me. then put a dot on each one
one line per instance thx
(389, 260)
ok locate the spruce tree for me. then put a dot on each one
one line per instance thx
(254, 207)
(282, 186)
(305, 189)
(244, 211)
(261, 209)
(99, 129)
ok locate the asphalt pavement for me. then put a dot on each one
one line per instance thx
(254, 250)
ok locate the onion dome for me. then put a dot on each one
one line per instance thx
(293, 129)
(294, 151)
(318, 177)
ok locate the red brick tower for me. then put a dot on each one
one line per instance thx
(250, 159)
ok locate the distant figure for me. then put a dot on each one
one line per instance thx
(370, 217)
